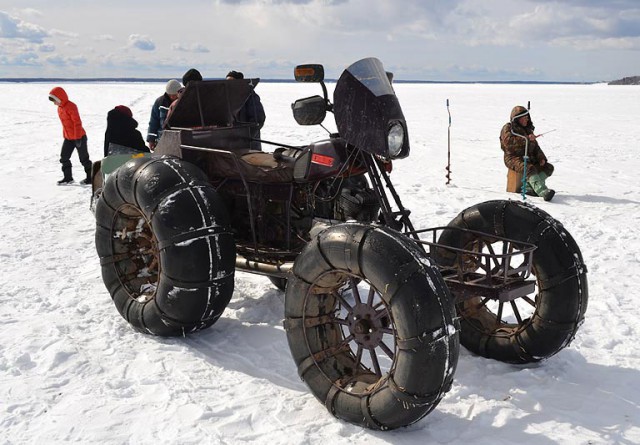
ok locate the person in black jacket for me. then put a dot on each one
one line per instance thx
(252, 112)
(121, 130)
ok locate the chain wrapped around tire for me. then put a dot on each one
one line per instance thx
(371, 326)
(555, 312)
(166, 249)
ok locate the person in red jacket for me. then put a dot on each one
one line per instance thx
(74, 136)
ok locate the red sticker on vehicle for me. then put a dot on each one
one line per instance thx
(327, 161)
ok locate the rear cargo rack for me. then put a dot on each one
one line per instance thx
(481, 265)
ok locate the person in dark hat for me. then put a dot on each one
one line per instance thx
(122, 130)
(252, 111)
(191, 75)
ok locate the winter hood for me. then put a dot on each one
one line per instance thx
(117, 116)
(59, 94)
(517, 112)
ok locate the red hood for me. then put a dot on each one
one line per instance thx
(60, 94)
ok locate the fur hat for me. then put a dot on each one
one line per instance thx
(192, 74)
(124, 110)
(173, 86)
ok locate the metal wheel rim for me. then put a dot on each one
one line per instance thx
(138, 266)
(367, 328)
(477, 308)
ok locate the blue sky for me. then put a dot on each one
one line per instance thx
(571, 40)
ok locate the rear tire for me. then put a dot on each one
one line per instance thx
(371, 326)
(531, 328)
(165, 246)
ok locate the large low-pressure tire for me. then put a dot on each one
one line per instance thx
(536, 326)
(166, 250)
(371, 326)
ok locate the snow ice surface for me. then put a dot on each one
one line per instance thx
(72, 370)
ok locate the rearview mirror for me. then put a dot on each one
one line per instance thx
(309, 73)
(309, 111)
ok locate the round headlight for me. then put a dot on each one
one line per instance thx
(395, 139)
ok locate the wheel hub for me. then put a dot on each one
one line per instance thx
(365, 325)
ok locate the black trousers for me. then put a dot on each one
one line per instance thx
(83, 153)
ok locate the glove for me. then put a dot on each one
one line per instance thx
(78, 143)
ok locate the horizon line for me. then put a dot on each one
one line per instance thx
(161, 79)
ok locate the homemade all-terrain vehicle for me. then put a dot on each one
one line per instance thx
(375, 309)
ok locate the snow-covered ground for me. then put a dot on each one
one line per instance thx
(72, 370)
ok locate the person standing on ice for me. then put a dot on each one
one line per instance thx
(252, 111)
(513, 146)
(74, 136)
(159, 112)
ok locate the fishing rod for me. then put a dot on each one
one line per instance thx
(546, 132)
(448, 176)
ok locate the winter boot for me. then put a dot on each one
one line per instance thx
(66, 171)
(65, 180)
(87, 180)
(537, 183)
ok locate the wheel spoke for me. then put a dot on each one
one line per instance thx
(359, 357)
(354, 290)
(341, 321)
(387, 350)
(529, 300)
(499, 315)
(493, 256)
(381, 314)
(516, 312)
(346, 305)
(374, 360)
(333, 350)
(372, 292)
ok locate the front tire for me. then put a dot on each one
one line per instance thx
(371, 326)
(165, 246)
(533, 327)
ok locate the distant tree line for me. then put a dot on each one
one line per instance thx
(633, 80)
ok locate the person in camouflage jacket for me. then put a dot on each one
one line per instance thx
(513, 146)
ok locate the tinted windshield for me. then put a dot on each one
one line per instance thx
(371, 74)
(365, 106)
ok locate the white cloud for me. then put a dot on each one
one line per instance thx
(14, 28)
(31, 12)
(61, 61)
(141, 42)
(47, 48)
(61, 33)
(104, 38)
(23, 59)
(193, 48)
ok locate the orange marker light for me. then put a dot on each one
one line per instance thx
(304, 72)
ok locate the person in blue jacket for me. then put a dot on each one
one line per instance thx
(159, 112)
